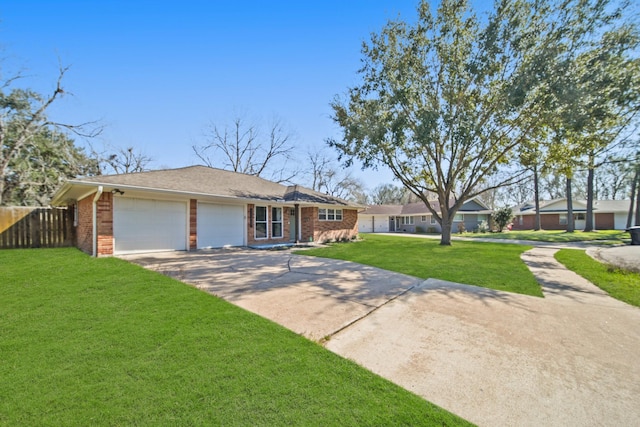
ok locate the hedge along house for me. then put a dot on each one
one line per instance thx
(416, 218)
(198, 207)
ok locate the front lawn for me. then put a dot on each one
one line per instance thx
(490, 265)
(557, 236)
(103, 342)
(620, 284)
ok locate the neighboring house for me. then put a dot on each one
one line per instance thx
(198, 207)
(608, 214)
(415, 217)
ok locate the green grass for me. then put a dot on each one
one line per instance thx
(557, 236)
(490, 265)
(103, 342)
(620, 284)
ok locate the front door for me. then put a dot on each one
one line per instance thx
(292, 225)
(392, 224)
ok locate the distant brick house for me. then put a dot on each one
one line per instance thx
(198, 207)
(607, 214)
(415, 217)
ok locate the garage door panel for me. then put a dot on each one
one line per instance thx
(149, 225)
(220, 225)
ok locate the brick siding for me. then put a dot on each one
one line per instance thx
(323, 231)
(84, 229)
(105, 224)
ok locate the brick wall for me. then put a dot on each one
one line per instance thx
(322, 231)
(309, 217)
(105, 224)
(547, 222)
(84, 229)
(527, 222)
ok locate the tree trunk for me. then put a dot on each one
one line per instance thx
(588, 225)
(634, 184)
(445, 238)
(536, 192)
(570, 224)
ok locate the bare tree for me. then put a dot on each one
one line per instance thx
(125, 160)
(327, 177)
(23, 117)
(614, 180)
(242, 148)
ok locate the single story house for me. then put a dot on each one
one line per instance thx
(608, 214)
(415, 217)
(198, 207)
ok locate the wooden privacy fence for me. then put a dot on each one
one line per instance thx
(27, 227)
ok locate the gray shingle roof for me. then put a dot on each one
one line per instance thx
(210, 182)
(418, 208)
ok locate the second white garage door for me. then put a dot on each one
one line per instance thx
(220, 225)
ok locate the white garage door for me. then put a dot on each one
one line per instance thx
(220, 225)
(141, 225)
(365, 224)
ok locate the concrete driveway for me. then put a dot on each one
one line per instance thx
(494, 358)
(315, 297)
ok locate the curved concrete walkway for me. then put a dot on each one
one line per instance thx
(497, 358)
(494, 358)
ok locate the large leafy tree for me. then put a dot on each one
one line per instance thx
(37, 172)
(610, 100)
(595, 97)
(444, 102)
(35, 153)
(389, 194)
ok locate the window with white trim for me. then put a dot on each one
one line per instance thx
(276, 222)
(433, 221)
(423, 218)
(407, 220)
(329, 214)
(261, 222)
(458, 217)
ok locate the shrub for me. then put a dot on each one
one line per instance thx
(419, 229)
(483, 227)
(502, 217)
(461, 228)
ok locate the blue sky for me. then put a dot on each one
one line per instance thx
(158, 72)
